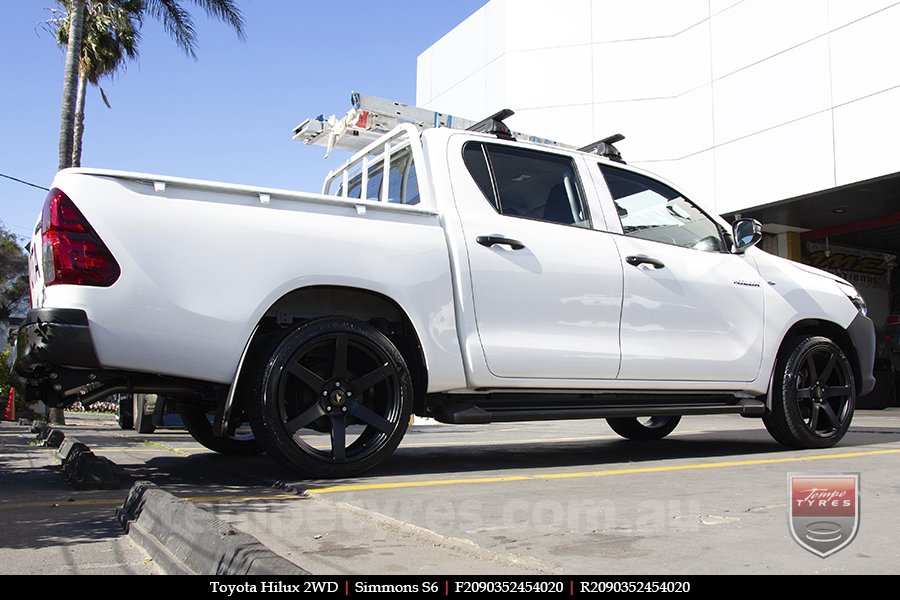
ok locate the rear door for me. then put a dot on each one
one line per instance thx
(692, 310)
(547, 289)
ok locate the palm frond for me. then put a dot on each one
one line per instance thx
(226, 11)
(105, 99)
(177, 22)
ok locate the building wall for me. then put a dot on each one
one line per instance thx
(740, 102)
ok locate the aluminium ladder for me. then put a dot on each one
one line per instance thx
(371, 117)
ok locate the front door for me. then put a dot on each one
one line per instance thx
(692, 310)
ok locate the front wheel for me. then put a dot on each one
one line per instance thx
(644, 429)
(142, 410)
(813, 394)
(125, 412)
(333, 399)
(199, 424)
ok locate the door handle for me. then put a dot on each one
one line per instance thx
(641, 259)
(490, 240)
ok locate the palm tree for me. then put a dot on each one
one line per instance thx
(70, 80)
(117, 46)
(111, 32)
(113, 27)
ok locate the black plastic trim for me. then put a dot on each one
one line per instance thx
(62, 316)
(862, 335)
(54, 337)
(490, 408)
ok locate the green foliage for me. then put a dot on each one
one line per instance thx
(112, 27)
(110, 36)
(13, 276)
(6, 383)
(4, 373)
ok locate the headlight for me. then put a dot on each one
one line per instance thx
(853, 294)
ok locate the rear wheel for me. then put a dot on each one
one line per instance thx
(644, 428)
(199, 424)
(333, 399)
(813, 394)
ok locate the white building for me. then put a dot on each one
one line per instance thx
(740, 102)
(783, 110)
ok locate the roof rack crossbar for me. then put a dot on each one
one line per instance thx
(605, 147)
(494, 125)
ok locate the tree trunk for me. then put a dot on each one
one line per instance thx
(78, 132)
(70, 82)
(56, 416)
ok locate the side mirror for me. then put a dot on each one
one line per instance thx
(747, 233)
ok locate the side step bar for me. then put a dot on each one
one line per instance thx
(453, 411)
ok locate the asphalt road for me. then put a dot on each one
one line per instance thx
(47, 528)
(544, 497)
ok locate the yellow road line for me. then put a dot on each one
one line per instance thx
(547, 476)
(241, 498)
(529, 441)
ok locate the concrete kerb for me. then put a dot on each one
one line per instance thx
(185, 539)
(53, 438)
(84, 469)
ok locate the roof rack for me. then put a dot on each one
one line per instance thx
(371, 117)
(605, 147)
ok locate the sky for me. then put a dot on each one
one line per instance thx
(227, 116)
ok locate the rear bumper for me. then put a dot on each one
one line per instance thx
(862, 335)
(53, 337)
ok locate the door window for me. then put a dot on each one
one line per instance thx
(527, 183)
(651, 210)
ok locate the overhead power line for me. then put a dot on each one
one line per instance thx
(34, 185)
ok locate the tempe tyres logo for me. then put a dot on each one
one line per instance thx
(824, 511)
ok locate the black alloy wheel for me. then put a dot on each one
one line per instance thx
(644, 428)
(333, 400)
(814, 394)
(199, 423)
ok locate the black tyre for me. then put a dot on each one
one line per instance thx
(333, 399)
(125, 412)
(813, 394)
(199, 424)
(644, 428)
(143, 422)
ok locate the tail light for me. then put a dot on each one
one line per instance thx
(72, 252)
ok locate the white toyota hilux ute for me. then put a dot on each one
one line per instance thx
(466, 275)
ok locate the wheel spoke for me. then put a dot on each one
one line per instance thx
(339, 368)
(829, 412)
(361, 384)
(837, 392)
(829, 367)
(305, 418)
(814, 417)
(811, 367)
(358, 410)
(804, 394)
(306, 376)
(338, 438)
